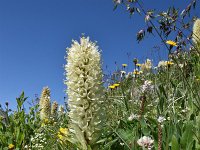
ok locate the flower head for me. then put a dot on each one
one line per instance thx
(161, 119)
(111, 87)
(85, 91)
(171, 43)
(138, 65)
(169, 63)
(11, 146)
(162, 64)
(116, 84)
(124, 65)
(146, 66)
(61, 110)
(136, 72)
(54, 109)
(44, 104)
(63, 133)
(146, 142)
(147, 86)
(132, 116)
(117, 1)
(196, 31)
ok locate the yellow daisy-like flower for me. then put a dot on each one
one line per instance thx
(136, 72)
(111, 86)
(172, 43)
(138, 65)
(170, 63)
(124, 65)
(11, 146)
(62, 133)
(116, 84)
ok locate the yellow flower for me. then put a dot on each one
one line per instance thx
(172, 43)
(136, 72)
(11, 146)
(170, 63)
(62, 133)
(111, 86)
(139, 65)
(45, 122)
(124, 65)
(116, 84)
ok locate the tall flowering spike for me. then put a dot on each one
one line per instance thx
(44, 104)
(61, 110)
(85, 91)
(54, 109)
(196, 31)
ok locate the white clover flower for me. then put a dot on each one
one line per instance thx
(146, 142)
(85, 91)
(161, 119)
(196, 31)
(132, 116)
(147, 86)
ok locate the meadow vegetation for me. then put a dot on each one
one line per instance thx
(154, 106)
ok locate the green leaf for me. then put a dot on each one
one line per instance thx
(187, 137)
(175, 145)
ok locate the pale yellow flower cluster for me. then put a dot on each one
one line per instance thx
(54, 109)
(196, 31)
(146, 66)
(45, 104)
(63, 134)
(85, 91)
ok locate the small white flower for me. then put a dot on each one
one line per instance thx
(147, 86)
(162, 64)
(123, 73)
(161, 119)
(117, 1)
(181, 65)
(146, 142)
(122, 144)
(132, 116)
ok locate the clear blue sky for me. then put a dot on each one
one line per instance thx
(35, 33)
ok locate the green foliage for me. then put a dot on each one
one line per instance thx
(160, 104)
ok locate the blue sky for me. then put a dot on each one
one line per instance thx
(34, 35)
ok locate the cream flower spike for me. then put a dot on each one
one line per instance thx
(196, 31)
(85, 91)
(44, 104)
(54, 110)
